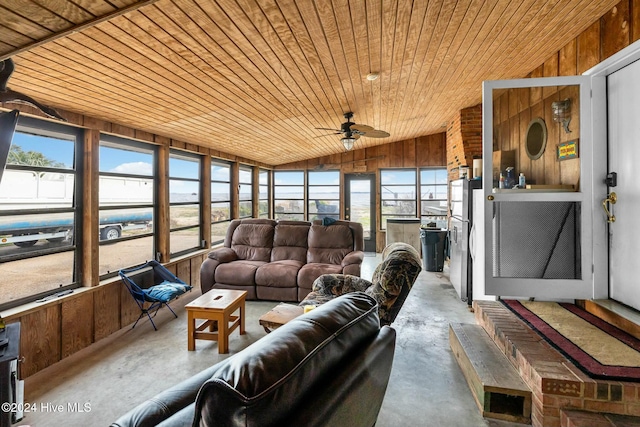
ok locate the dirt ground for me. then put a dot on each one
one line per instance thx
(46, 273)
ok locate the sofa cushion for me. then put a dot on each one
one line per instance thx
(310, 272)
(339, 284)
(316, 298)
(279, 274)
(290, 241)
(329, 286)
(223, 254)
(270, 378)
(253, 242)
(238, 272)
(165, 291)
(356, 230)
(280, 253)
(329, 244)
(235, 223)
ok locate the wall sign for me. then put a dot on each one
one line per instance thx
(568, 150)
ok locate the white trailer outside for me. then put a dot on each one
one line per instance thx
(38, 191)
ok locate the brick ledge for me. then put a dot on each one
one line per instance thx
(554, 381)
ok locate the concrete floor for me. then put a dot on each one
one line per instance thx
(108, 378)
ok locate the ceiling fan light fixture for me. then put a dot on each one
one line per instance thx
(373, 76)
(348, 143)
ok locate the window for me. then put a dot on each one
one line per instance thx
(220, 200)
(126, 200)
(397, 194)
(39, 213)
(324, 195)
(433, 196)
(263, 194)
(288, 195)
(184, 202)
(245, 195)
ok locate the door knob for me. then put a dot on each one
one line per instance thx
(490, 198)
(612, 198)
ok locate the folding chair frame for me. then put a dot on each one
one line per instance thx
(140, 297)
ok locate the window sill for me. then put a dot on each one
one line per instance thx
(15, 313)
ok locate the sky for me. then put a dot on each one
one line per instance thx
(111, 159)
(140, 163)
(61, 151)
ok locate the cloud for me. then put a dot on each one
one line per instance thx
(137, 168)
(220, 173)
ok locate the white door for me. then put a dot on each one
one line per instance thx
(623, 103)
(538, 241)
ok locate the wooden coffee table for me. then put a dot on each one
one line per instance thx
(217, 307)
(279, 315)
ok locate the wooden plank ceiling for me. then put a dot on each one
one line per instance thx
(254, 78)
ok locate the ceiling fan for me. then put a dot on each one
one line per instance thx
(8, 95)
(353, 131)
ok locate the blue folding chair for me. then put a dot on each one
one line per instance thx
(151, 285)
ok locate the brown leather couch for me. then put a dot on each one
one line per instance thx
(279, 260)
(328, 367)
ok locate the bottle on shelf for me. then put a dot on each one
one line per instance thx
(510, 179)
(522, 181)
(501, 182)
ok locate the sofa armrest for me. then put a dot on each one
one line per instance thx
(208, 268)
(355, 257)
(207, 274)
(339, 284)
(353, 394)
(173, 403)
(223, 255)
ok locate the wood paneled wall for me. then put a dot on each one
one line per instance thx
(58, 329)
(429, 150)
(514, 109)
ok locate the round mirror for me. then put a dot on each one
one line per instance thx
(536, 138)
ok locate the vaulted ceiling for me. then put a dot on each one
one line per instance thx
(254, 78)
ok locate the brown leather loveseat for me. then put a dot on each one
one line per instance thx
(279, 260)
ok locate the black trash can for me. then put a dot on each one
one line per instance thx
(433, 248)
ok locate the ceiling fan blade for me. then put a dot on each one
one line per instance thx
(376, 134)
(353, 130)
(328, 134)
(362, 128)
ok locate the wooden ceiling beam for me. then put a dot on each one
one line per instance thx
(76, 28)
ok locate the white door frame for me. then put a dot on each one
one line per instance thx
(592, 117)
(599, 75)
